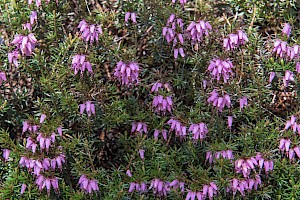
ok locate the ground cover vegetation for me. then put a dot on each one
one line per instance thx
(160, 99)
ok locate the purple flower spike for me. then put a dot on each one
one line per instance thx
(89, 32)
(218, 68)
(197, 31)
(127, 73)
(280, 48)
(219, 102)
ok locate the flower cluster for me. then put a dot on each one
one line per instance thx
(288, 76)
(180, 130)
(79, 63)
(280, 47)
(139, 127)
(127, 73)
(157, 85)
(243, 102)
(235, 40)
(292, 124)
(159, 187)
(173, 31)
(43, 182)
(207, 191)
(33, 18)
(89, 32)
(161, 104)
(2, 77)
(88, 185)
(25, 44)
(226, 154)
(140, 187)
(218, 68)
(163, 132)
(284, 146)
(198, 30)
(199, 131)
(219, 102)
(268, 165)
(244, 185)
(89, 107)
(40, 164)
(246, 165)
(13, 57)
(132, 17)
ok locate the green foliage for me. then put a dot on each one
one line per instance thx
(102, 146)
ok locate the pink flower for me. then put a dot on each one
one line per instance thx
(199, 131)
(288, 76)
(292, 123)
(128, 173)
(139, 127)
(161, 104)
(287, 29)
(180, 130)
(142, 152)
(13, 57)
(230, 118)
(298, 67)
(80, 64)
(243, 102)
(26, 26)
(89, 107)
(197, 31)
(42, 119)
(293, 52)
(6, 153)
(163, 132)
(159, 187)
(23, 188)
(132, 16)
(2, 77)
(235, 40)
(33, 17)
(218, 68)
(272, 76)
(280, 47)
(127, 73)
(25, 43)
(88, 185)
(219, 102)
(89, 32)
